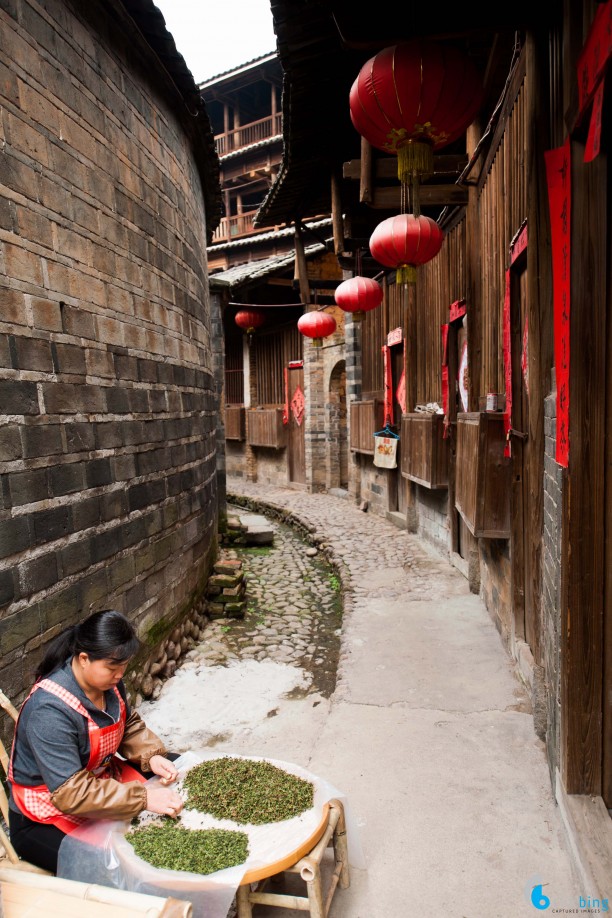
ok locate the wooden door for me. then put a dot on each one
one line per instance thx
(522, 586)
(296, 450)
(461, 537)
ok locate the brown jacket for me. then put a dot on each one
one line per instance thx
(86, 795)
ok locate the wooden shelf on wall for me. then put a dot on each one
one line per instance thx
(483, 473)
(366, 419)
(265, 428)
(235, 425)
(425, 452)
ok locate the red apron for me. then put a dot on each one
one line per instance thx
(35, 802)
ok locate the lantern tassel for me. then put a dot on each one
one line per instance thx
(414, 157)
(406, 274)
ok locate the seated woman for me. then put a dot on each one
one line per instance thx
(63, 767)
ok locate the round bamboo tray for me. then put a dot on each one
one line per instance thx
(269, 870)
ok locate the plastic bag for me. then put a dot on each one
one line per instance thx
(98, 852)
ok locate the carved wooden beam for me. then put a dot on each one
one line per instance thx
(389, 198)
(386, 167)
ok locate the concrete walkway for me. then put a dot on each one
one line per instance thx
(428, 733)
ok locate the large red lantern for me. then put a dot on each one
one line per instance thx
(413, 98)
(358, 295)
(250, 320)
(405, 241)
(316, 325)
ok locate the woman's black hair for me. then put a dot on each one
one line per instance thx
(106, 635)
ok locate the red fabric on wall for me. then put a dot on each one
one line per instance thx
(558, 174)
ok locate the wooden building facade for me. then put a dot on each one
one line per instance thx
(511, 477)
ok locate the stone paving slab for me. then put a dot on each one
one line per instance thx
(428, 733)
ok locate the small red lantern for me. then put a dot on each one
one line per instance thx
(413, 98)
(359, 295)
(405, 241)
(316, 325)
(250, 320)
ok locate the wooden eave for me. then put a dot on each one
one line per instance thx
(321, 57)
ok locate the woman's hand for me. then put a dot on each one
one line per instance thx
(164, 768)
(164, 801)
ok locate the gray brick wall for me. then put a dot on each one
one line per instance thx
(108, 411)
(432, 514)
(551, 583)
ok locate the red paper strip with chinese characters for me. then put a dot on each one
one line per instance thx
(388, 404)
(558, 176)
(444, 329)
(507, 350)
(400, 392)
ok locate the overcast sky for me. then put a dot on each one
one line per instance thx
(217, 35)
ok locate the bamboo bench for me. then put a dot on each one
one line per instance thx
(309, 869)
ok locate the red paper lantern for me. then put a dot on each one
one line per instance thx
(413, 98)
(358, 295)
(316, 325)
(405, 241)
(250, 320)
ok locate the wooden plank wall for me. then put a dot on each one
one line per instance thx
(274, 348)
(373, 333)
(440, 283)
(502, 209)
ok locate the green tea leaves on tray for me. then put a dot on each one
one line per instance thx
(247, 791)
(171, 847)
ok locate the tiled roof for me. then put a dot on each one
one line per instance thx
(255, 270)
(251, 146)
(238, 69)
(265, 237)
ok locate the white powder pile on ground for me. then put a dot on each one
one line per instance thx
(216, 702)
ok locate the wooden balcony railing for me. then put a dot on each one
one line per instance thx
(482, 494)
(366, 419)
(232, 227)
(234, 422)
(247, 134)
(425, 452)
(265, 428)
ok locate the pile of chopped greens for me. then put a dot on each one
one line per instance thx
(246, 791)
(174, 847)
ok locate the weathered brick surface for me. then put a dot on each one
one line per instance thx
(108, 491)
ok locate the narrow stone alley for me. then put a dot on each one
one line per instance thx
(402, 696)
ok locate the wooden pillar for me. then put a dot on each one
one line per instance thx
(582, 558)
(301, 271)
(337, 224)
(409, 305)
(539, 298)
(365, 178)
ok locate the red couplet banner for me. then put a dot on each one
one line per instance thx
(444, 329)
(558, 174)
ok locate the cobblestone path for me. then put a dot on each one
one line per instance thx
(294, 611)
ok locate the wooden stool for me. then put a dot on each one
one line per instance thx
(309, 868)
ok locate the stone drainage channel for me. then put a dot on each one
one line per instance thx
(242, 670)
